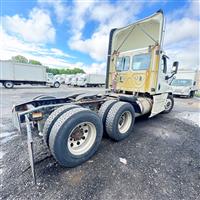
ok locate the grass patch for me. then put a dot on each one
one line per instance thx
(197, 94)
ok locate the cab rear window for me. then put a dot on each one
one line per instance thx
(141, 61)
(123, 63)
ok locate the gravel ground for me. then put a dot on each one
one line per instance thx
(160, 160)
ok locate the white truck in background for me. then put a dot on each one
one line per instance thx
(68, 79)
(74, 80)
(87, 80)
(13, 73)
(185, 83)
(60, 78)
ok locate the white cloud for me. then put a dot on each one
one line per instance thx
(182, 36)
(12, 46)
(96, 46)
(108, 16)
(36, 28)
(194, 8)
(187, 55)
(95, 68)
(181, 29)
(60, 9)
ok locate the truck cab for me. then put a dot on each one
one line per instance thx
(82, 80)
(52, 81)
(185, 83)
(137, 64)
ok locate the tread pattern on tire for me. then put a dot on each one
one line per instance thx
(103, 111)
(52, 119)
(105, 108)
(111, 117)
(58, 124)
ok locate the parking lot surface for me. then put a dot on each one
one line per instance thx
(160, 160)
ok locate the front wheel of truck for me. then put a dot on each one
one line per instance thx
(8, 84)
(56, 84)
(75, 137)
(169, 104)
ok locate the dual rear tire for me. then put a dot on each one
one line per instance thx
(73, 134)
(118, 119)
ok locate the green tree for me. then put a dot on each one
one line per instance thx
(64, 71)
(20, 59)
(34, 62)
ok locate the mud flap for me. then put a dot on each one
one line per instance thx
(158, 104)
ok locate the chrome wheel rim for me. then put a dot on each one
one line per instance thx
(56, 84)
(124, 122)
(168, 104)
(82, 138)
(8, 85)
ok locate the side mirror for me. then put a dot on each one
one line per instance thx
(175, 67)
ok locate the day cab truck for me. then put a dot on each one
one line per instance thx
(185, 83)
(14, 73)
(72, 126)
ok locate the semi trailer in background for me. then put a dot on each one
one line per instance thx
(185, 83)
(13, 73)
(87, 80)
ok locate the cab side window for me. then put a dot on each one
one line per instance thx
(123, 63)
(141, 61)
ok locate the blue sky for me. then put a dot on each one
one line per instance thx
(75, 33)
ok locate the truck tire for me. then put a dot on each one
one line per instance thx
(169, 104)
(191, 94)
(52, 119)
(56, 84)
(103, 112)
(75, 137)
(8, 84)
(120, 121)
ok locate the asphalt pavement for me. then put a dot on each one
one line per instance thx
(160, 160)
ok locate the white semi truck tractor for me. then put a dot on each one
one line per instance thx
(185, 83)
(136, 81)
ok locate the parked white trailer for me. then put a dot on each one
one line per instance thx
(13, 73)
(87, 80)
(185, 83)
